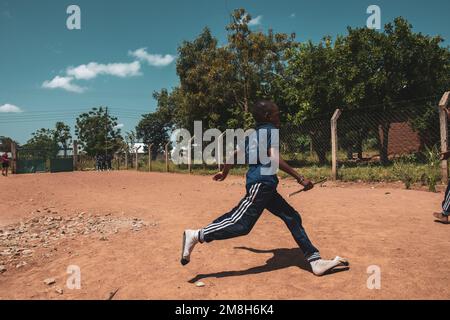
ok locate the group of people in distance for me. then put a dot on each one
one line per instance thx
(103, 162)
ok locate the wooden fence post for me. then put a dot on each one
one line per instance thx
(14, 157)
(443, 119)
(75, 155)
(189, 154)
(150, 157)
(334, 144)
(219, 150)
(166, 149)
(137, 159)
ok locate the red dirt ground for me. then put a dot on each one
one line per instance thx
(384, 226)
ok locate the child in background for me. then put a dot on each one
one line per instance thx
(5, 164)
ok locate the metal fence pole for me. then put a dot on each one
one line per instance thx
(334, 143)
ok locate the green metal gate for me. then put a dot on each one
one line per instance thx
(30, 166)
(61, 164)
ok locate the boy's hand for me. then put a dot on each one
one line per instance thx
(307, 184)
(220, 176)
(445, 155)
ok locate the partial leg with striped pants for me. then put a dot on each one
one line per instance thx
(241, 220)
(443, 216)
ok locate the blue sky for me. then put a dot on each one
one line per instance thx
(125, 50)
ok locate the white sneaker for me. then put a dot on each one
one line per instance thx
(190, 239)
(320, 267)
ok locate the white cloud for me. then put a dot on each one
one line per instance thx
(63, 83)
(10, 108)
(94, 69)
(119, 126)
(255, 21)
(293, 15)
(156, 60)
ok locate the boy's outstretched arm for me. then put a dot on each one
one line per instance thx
(284, 166)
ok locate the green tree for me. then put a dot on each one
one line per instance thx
(42, 144)
(63, 136)
(5, 144)
(153, 131)
(259, 60)
(310, 85)
(207, 83)
(97, 132)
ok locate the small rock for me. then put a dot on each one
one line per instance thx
(59, 290)
(50, 281)
(2, 269)
(21, 264)
(27, 252)
(103, 238)
(200, 284)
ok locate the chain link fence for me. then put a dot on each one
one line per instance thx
(390, 142)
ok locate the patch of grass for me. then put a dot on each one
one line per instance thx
(404, 169)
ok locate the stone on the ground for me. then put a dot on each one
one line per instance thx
(50, 281)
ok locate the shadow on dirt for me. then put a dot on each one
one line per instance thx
(282, 258)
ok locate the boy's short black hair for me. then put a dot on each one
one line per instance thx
(261, 109)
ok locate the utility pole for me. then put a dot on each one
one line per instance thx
(106, 134)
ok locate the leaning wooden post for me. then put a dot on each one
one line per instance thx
(14, 157)
(166, 150)
(443, 119)
(334, 143)
(75, 155)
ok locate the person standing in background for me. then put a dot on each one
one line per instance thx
(5, 164)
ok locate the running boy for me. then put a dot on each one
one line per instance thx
(261, 188)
